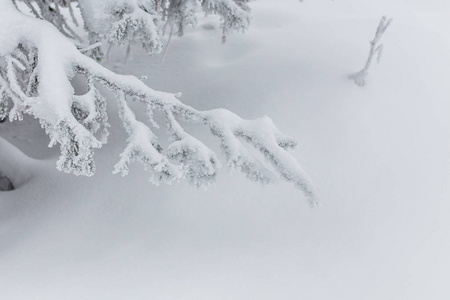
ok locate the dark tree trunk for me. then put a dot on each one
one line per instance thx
(6, 184)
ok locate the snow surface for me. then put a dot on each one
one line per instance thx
(380, 156)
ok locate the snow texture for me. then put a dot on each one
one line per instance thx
(379, 153)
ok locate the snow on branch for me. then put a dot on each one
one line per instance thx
(51, 11)
(375, 49)
(35, 78)
(234, 14)
(121, 22)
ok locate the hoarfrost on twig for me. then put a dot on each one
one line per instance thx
(375, 49)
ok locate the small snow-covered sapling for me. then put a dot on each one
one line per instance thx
(375, 49)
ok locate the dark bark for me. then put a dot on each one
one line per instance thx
(6, 184)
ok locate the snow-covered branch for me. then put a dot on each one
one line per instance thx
(234, 13)
(122, 22)
(35, 78)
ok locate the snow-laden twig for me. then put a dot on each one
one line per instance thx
(233, 13)
(51, 12)
(375, 49)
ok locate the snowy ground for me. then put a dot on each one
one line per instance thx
(380, 156)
